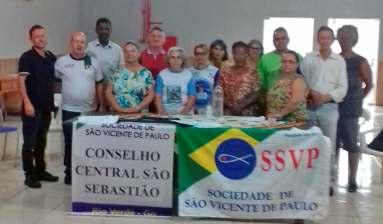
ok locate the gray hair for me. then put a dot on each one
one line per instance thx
(259, 43)
(132, 42)
(281, 30)
(351, 30)
(176, 49)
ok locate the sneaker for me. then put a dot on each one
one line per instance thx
(45, 176)
(352, 187)
(68, 180)
(31, 182)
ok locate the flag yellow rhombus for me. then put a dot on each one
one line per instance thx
(204, 156)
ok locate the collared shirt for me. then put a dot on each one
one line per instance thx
(40, 78)
(79, 78)
(155, 63)
(109, 57)
(327, 76)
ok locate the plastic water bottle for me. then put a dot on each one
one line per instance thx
(217, 103)
(209, 112)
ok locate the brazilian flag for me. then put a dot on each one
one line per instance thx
(227, 173)
(197, 151)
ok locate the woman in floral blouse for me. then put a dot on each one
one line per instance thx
(130, 89)
(240, 83)
(287, 98)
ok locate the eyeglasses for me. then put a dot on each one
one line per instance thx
(289, 62)
(200, 53)
(255, 48)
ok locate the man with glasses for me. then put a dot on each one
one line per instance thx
(269, 65)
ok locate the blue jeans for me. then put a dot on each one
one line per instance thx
(326, 118)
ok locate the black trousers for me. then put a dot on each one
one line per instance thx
(35, 130)
(67, 130)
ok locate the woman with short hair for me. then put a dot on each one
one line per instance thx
(359, 85)
(255, 52)
(131, 88)
(287, 98)
(240, 84)
(175, 88)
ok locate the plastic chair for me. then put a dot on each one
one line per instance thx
(3, 113)
(362, 137)
(5, 130)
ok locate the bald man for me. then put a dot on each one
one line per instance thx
(82, 93)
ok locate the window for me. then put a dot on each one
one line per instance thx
(300, 31)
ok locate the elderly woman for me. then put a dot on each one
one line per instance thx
(175, 89)
(240, 83)
(255, 52)
(131, 88)
(287, 98)
(218, 53)
(359, 85)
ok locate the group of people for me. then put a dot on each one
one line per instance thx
(323, 88)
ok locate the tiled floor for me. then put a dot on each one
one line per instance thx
(51, 204)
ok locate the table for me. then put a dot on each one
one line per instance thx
(223, 172)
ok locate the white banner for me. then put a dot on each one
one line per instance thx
(288, 175)
(122, 168)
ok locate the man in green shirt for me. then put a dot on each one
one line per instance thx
(270, 63)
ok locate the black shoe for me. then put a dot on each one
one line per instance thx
(331, 192)
(45, 176)
(68, 179)
(31, 182)
(352, 188)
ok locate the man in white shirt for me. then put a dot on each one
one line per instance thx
(108, 53)
(82, 90)
(325, 74)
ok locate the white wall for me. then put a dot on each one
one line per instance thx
(60, 17)
(232, 20)
(190, 20)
